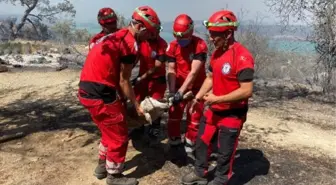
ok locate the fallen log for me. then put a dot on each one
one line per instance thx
(11, 137)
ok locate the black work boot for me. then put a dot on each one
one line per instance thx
(100, 171)
(120, 179)
(193, 179)
(177, 152)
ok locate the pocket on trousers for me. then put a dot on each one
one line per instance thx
(92, 105)
(89, 103)
(231, 122)
(113, 113)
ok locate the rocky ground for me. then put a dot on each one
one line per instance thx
(34, 55)
(46, 137)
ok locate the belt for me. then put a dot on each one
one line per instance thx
(237, 112)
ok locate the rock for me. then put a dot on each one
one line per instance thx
(75, 59)
(53, 50)
(4, 62)
(17, 66)
(43, 60)
(42, 53)
(3, 69)
(62, 67)
(40, 60)
(33, 62)
(18, 58)
(63, 60)
(66, 51)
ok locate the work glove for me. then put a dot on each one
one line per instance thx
(178, 97)
(170, 98)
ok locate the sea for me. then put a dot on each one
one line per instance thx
(285, 45)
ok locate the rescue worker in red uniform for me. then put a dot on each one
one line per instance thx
(186, 58)
(231, 81)
(152, 76)
(105, 76)
(108, 20)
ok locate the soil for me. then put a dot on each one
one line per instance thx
(46, 137)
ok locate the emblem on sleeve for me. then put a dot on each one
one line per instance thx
(243, 58)
(226, 68)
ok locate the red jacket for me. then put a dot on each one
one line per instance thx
(149, 52)
(183, 57)
(228, 69)
(101, 70)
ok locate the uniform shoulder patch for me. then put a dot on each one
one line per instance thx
(226, 68)
(243, 58)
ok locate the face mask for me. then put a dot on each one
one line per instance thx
(184, 42)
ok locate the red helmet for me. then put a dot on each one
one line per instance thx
(221, 21)
(106, 15)
(148, 17)
(183, 26)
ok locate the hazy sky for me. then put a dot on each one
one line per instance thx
(167, 9)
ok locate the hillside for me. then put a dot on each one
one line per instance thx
(284, 141)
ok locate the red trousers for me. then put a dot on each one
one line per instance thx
(110, 119)
(225, 128)
(193, 120)
(150, 87)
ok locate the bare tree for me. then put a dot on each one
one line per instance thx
(6, 26)
(325, 39)
(321, 15)
(37, 11)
